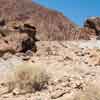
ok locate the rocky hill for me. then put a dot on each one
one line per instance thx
(68, 70)
(50, 24)
(93, 23)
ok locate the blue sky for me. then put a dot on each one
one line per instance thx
(76, 10)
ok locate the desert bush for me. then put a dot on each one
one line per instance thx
(92, 92)
(27, 77)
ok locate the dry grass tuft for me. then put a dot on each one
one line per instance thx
(27, 77)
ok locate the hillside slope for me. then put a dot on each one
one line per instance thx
(50, 24)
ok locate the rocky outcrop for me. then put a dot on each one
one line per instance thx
(17, 39)
(94, 24)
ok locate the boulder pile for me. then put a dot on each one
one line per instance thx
(17, 38)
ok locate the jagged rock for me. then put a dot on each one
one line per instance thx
(93, 23)
(21, 39)
(58, 94)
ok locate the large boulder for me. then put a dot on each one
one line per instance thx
(16, 39)
(93, 23)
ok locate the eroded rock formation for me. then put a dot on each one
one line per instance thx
(20, 38)
(94, 24)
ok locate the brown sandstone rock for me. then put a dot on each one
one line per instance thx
(20, 39)
(93, 23)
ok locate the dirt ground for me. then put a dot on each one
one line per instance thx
(70, 64)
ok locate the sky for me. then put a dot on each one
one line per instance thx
(76, 10)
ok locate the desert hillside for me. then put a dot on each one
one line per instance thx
(46, 56)
(50, 24)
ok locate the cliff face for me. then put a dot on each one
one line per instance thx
(50, 24)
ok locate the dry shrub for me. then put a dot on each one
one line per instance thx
(92, 92)
(27, 77)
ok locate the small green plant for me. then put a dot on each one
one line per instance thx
(26, 77)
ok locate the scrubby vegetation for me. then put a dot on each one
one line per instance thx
(27, 77)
